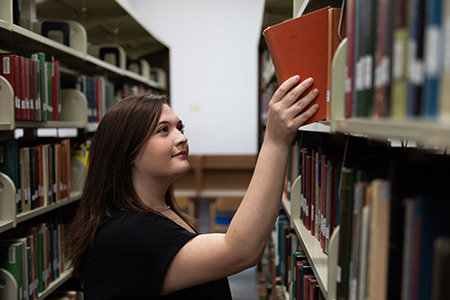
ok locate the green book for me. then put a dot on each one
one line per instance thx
(40, 56)
(11, 260)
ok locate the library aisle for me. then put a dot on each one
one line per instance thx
(244, 285)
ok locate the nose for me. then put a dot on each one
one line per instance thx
(181, 138)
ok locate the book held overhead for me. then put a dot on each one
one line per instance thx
(305, 46)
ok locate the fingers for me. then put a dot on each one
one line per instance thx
(289, 92)
(284, 88)
(297, 108)
(302, 103)
(306, 115)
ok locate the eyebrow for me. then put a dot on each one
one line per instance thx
(168, 122)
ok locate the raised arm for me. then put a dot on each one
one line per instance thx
(212, 256)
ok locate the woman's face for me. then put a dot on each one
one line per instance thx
(165, 154)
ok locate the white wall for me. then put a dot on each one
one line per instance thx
(213, 67)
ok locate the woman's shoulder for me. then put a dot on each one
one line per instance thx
(134, 223)
(133, 230)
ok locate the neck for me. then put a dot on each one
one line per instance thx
(153, 194)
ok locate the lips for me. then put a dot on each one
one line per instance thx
(180, 154)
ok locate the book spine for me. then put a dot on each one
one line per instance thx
(350, 66)
(416, 56)
(383, 58)
(346, 205)
(433, 57)
(399, 59)
(444, 89)
(56, 95)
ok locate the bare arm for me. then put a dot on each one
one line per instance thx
(211, 256)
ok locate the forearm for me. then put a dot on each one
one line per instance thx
(253, 222)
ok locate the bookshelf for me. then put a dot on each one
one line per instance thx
(93, 23)
(417, 155)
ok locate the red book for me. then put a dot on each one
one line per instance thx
(23, 87)
(306, 282)
(307, 220)
(300, 46)
(323, 207)
(312, 285)
(26, 65)
(65, 143)
(9, 69)
(298, 286)
(383, 58)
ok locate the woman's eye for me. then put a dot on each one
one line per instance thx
(162, 130)
(181, 128)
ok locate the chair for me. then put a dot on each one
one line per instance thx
(187, 205)
(221, 211)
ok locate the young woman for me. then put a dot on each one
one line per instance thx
(129, 241)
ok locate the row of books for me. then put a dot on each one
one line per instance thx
(35, 82)
(34, 256)
(391, 246)
(293, 272)
(37, 86)
(321, 168)
(100, 95)
(397, 58)
(40, 172)
(392, 218)
(305, 284)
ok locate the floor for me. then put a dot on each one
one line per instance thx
(243, 285)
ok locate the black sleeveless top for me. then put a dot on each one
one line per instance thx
(130, 256)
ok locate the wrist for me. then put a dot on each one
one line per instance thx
(275, 145)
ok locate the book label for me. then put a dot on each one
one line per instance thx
(12, 255)
(6, 65)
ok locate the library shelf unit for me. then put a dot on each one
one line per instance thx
(25, 40)
(420, 132)
(425, 135)
(105, 22)
(53, 286)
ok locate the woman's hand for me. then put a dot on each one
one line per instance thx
(286, 113)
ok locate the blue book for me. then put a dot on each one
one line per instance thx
(10, 166)
(433, 57)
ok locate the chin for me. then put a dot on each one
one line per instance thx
(183, 170)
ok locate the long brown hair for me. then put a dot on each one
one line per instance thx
(121, 133)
